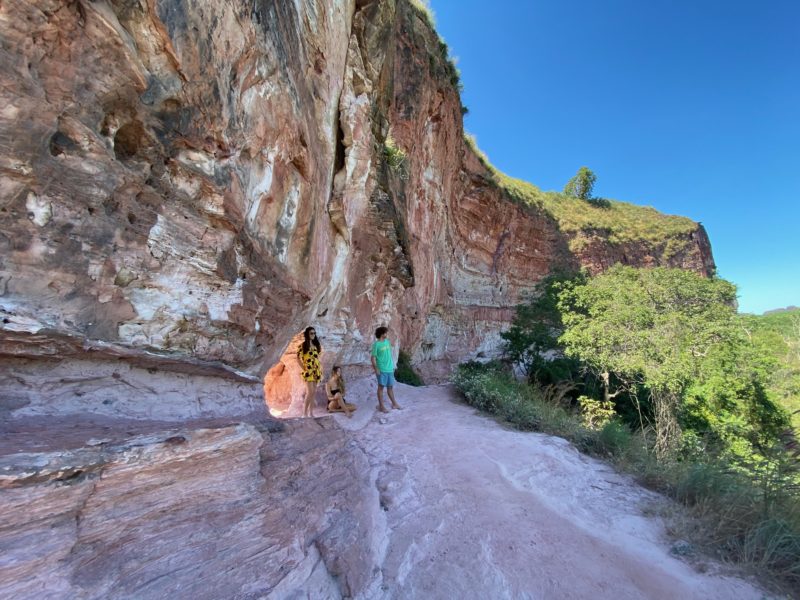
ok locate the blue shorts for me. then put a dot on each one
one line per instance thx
(385, 379)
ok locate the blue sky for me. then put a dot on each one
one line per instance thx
(692, 107)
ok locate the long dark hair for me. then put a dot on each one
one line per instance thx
(307, 340)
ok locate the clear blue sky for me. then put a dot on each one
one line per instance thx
(692, 107)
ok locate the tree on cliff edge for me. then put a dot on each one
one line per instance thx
(582, 185)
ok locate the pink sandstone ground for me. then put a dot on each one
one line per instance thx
(432, 502)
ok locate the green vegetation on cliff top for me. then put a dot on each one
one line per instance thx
(618, 222)
(614, 221)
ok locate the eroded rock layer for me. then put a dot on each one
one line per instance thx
(194, 182)
(430, 502)
(207, 510)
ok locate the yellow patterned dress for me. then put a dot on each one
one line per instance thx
(312, 370)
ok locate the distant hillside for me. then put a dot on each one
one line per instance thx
(781, 310)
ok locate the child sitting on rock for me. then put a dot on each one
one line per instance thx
(335, 390)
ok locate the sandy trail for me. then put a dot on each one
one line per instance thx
(474, 510)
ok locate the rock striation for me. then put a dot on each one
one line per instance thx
(204, 510)
(194, 182)
(431, 502)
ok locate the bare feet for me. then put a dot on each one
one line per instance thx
(397, 407)
(383, 409)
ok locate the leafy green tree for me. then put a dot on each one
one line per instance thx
(776, 336)
(582, 185)
(532, 340)
(650, 328)
(728, 400)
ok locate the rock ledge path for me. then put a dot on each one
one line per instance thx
(475, 510)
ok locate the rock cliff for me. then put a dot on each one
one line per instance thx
(186, 185)
(205, 510)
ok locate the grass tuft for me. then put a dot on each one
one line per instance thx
(424, 10)
(395, 157)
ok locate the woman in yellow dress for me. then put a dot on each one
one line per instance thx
(308, 354)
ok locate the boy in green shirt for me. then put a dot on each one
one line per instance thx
(381, 357)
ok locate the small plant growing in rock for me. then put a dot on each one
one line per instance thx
(405, 373)
(395, 157)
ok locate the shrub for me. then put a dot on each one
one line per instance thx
(596, 414)
(394, 156)
(582, 185)
(615, 438)
(696, 483)
(773, 544)
(734, 520)
(405, 372)
(491, 387)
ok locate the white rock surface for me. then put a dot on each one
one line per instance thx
(475, 510)
(429, 502)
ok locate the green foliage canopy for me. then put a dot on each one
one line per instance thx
(650, 326)
(532, 339)
(667, 330)
(777, 337)
(582, 185)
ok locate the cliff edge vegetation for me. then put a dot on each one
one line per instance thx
(617, 222)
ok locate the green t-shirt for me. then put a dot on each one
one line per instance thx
(382, 351)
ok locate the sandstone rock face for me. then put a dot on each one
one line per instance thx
(163, 170)
(34, 387)
(192, 183)
(208, 510)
